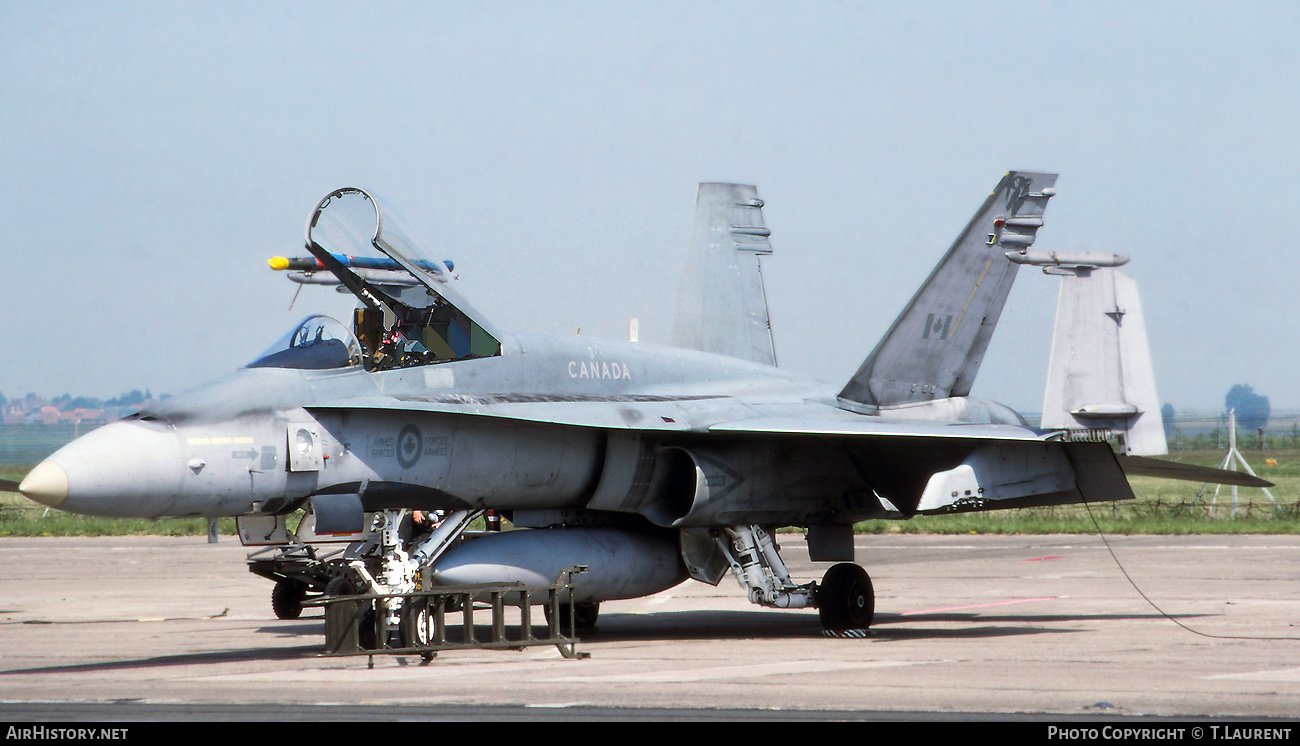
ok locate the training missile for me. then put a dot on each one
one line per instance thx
(1058, 259)
(373, 276)
(312, 264)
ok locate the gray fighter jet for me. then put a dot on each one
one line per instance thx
(647, 464)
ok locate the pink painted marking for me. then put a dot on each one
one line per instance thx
(980, 606)
(1040, 559)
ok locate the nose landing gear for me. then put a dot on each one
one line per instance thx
(287, 597)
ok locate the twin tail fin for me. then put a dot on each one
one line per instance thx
(934, 348)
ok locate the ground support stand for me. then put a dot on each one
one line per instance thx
(352, 626)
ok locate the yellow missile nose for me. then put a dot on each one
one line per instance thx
(47, 484)
(278, 263)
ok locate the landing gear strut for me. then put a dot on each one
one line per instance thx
(844, 599)
(756, 563)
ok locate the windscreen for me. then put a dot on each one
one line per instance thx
(316, 343)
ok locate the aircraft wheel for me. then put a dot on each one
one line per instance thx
(367, 637)
(845, 598)
(287, 597)
(415, 624)
(340, 587)
(584, 616)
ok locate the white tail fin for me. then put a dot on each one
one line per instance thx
(1100, 382)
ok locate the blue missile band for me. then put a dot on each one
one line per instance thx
(312, 264)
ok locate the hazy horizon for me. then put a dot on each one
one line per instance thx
(158, 153)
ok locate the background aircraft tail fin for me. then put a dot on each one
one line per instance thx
(1100, 382)
(935, 347)
(722, 306)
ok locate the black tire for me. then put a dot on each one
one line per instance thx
(340, 587)
(287, 597)
(584, 617)
(414, 628)
(846, 599)
(367, 637)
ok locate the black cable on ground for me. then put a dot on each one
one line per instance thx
(1153, 605)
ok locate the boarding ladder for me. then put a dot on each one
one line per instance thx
(353, 627)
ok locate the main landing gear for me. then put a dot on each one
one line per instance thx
(845, 599)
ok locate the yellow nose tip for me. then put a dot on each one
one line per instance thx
(47, 484)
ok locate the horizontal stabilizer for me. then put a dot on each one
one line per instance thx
(1142, 466)
(935, 347)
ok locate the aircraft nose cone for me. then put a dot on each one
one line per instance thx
(47, 484)
(123, 469)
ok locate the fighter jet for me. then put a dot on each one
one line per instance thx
(647, 464)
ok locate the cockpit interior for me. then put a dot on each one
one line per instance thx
(407, 316)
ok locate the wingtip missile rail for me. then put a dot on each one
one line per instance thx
(1066, 260)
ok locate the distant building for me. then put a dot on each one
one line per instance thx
(34, 410)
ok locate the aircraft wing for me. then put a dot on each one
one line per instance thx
(864, 426)
(713, 414)
(615, 412)
(724, 415)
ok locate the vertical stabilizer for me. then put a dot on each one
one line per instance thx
(1100, 381)
(721, 306)
(935, 347)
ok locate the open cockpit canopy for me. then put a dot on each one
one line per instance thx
(419, 321)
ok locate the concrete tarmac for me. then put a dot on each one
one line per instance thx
(966, 626)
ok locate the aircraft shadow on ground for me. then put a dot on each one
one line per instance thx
(1032, 619)
(713, 625)
(762, 624)
(181, 659)
(660, 626)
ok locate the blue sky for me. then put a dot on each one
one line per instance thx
(157, 153)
